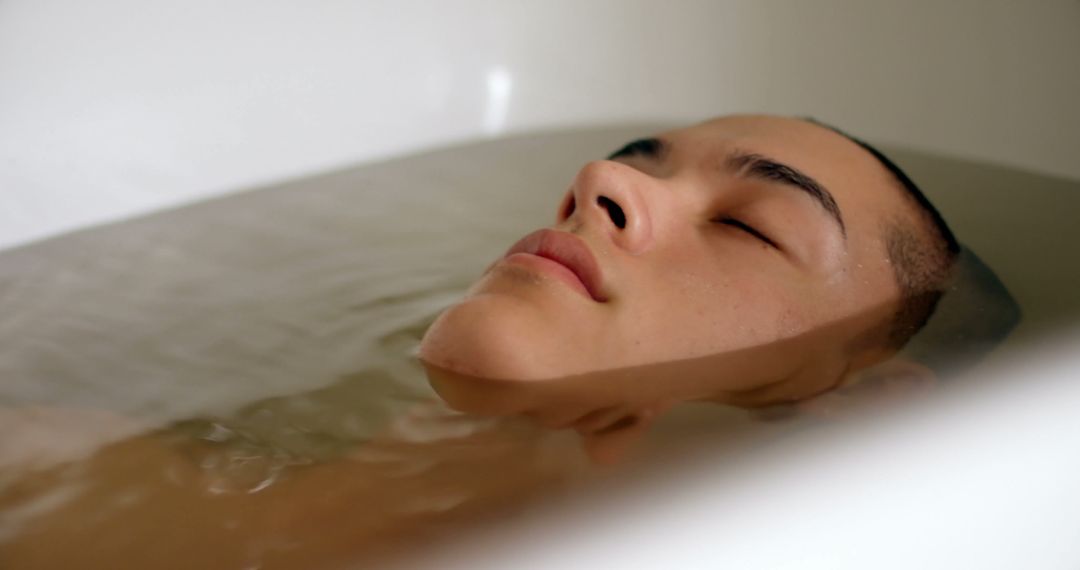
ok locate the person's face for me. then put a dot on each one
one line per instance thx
(714, 239)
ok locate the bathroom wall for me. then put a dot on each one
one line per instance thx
(114, 108)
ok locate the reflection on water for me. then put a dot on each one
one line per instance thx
(231, 384)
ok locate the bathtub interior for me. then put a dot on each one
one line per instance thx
(270, 332)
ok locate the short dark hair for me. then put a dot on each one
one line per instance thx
(922, 257)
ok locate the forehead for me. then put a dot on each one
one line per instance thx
(825, 155)
(864, 190)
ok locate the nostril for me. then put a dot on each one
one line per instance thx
(613, 210)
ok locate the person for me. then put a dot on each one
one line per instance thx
(750, 260)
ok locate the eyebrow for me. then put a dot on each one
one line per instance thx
(752, 165)
(761, 167)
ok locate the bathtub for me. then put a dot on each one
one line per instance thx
(186, 190)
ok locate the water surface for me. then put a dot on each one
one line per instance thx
(231, 384)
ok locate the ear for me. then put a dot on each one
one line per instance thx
(891, 382)
(612, 444)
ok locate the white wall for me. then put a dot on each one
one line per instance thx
(118, 107)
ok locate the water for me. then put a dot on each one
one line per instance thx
(231, 384)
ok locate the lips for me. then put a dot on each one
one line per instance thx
(566, 250)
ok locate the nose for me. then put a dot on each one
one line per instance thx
(607, 195)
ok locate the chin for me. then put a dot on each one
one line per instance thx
(486, 354)
(493, 337)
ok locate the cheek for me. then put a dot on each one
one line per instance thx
(696, 309)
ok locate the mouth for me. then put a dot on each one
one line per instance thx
(563, 256)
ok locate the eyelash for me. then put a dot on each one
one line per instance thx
(640, 147)
(748, 229)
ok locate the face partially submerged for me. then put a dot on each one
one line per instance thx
(752, 246)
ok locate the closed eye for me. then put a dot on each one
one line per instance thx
(649, 148)
(748, 229)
